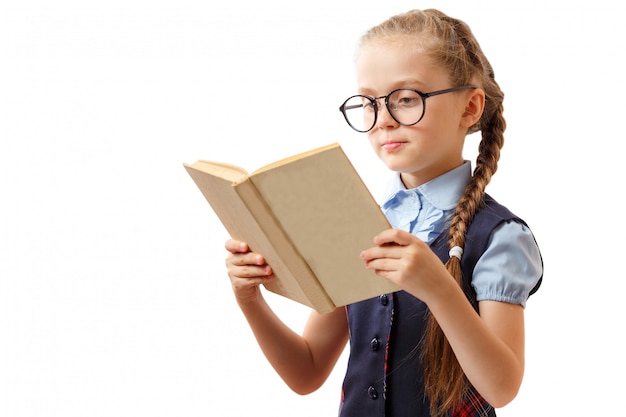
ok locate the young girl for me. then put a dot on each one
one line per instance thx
(451, 343)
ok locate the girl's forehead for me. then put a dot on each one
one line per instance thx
(392, 53)
(381, 66)
(405, 42)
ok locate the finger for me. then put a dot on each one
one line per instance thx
(251, 272)
(248, 259)
(246, 284)
(392, 237)
(380, 264)
(236, 246)
(389, 250)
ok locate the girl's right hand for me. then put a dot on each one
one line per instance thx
(247, 270)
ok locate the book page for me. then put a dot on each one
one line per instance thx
(229, 172)
(247, 218)
(293, 158)
(330, 216)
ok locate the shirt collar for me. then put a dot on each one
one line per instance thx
(442, 192)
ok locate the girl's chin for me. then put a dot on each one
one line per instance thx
(395, 163)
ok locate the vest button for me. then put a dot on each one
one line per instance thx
(371, 391)
(383, 299)
(374, 344)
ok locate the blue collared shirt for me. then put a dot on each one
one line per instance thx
(511, 265)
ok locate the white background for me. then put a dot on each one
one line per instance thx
(113, 295)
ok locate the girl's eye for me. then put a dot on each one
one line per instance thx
(407, 100)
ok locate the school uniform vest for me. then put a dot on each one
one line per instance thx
(385, 371)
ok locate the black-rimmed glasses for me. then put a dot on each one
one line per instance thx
(407, 106)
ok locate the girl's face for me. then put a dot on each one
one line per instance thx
(434, 145)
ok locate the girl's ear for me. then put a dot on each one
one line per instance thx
(474, 108)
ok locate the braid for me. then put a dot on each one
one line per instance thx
(446, 384)
(451, 43)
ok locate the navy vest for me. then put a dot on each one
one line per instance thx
(385, 371)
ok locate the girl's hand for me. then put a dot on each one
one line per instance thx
(408, 262)
(247, 270)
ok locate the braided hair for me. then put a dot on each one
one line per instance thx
(453, 46)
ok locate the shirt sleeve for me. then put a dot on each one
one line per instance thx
(510, 267)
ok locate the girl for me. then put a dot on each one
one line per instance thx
(451, 343)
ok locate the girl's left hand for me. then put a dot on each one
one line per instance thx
(408, 262)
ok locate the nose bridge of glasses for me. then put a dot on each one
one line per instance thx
(383, 112)
(387, 104)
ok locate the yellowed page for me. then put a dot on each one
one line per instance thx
(247, 218)
(232, 173)
(293, 158)
(327, 212)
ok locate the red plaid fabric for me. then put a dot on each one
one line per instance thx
(473, 406)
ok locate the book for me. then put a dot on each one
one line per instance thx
(309, 215)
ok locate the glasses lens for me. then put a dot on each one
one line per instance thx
(359, 112)
(406, 106)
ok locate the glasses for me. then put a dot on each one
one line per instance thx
(406, 105)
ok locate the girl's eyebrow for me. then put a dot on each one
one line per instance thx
(407, 83)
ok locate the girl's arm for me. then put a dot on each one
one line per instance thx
(303, 361)
(489, 346)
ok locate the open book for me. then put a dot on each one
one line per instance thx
(309, 215)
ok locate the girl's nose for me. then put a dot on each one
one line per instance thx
(384, 119)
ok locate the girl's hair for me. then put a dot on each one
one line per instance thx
(453, 46)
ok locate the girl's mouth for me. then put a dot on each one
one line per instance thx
(391, 146)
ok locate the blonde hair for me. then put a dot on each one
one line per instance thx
(452, 45)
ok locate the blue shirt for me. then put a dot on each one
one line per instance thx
(510, 267)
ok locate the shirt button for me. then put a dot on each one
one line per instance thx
(383, 299)
(374, 344)
(371, 391)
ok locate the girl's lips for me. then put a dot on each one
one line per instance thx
(391, 145)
